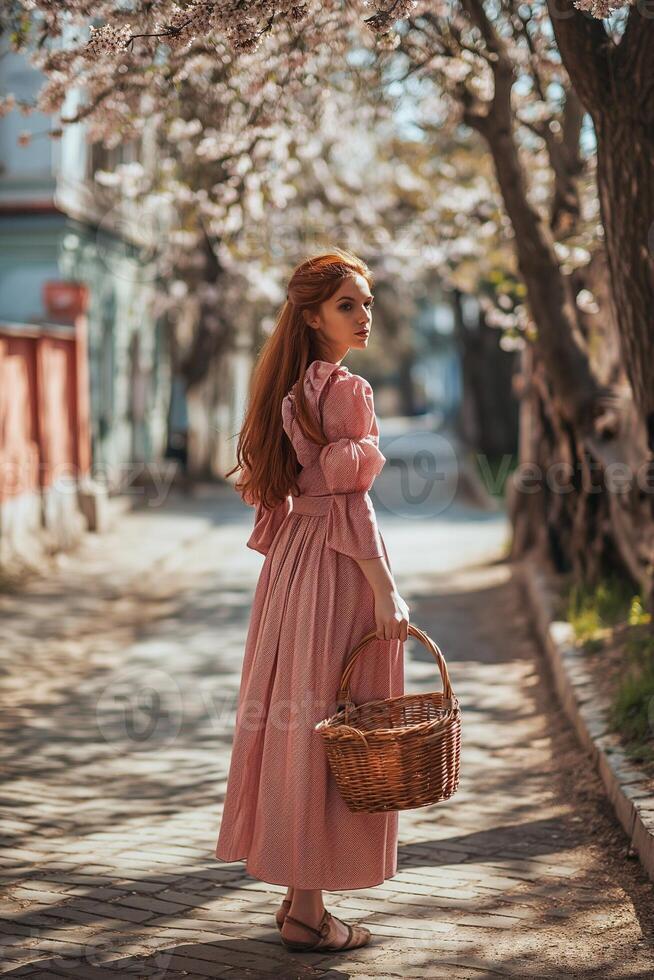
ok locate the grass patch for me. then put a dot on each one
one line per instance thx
(593, 613)
(612, 613)
(632, 710)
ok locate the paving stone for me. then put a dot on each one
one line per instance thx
(108, 843)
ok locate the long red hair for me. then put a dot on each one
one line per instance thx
(264, 452)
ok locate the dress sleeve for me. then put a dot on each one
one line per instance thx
(266, 524)
(350, 462)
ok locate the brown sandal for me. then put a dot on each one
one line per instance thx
(322, 932)
(286, 904)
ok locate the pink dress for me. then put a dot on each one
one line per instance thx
(283, 813)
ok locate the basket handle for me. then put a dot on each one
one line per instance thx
(343, 697)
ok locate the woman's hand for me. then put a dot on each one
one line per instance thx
(391, 616)
(391, 611)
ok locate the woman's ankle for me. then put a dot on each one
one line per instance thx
(307, 904)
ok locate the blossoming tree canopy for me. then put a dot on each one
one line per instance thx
(243, 25)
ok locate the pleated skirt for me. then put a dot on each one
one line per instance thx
(282, 813)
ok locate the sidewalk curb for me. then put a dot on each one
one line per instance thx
(631, 796)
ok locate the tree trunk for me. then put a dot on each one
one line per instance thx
(557, 501)
(625, 173)
(616, 84)
(489, 419)
(561, 345)
(213, 336)
(551, 301)
(579, 433)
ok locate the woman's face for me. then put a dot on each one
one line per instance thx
(344, 320)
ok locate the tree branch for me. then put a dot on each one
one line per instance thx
(586, 49)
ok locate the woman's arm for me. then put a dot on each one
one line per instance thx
(391, 611)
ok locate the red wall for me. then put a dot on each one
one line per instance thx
(44, 406)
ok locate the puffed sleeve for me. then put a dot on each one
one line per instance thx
(266, 524)
(350, 462)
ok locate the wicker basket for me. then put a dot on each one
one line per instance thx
(396, 753)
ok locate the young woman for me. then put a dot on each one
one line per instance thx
(309, 453)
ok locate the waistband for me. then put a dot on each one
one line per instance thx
(313, 504)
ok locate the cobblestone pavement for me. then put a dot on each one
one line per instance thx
(120, 671)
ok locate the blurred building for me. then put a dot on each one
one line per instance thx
(53, 231)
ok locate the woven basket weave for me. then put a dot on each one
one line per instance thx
(396, 753)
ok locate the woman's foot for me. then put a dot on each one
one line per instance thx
(282, 911)
(327, 932)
